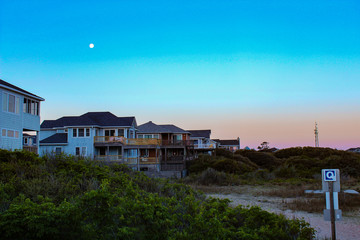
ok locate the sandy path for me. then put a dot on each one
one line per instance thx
(347, 229)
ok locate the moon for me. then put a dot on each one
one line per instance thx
(91, 45)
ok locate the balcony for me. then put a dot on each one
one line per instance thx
(128, 160)
(204, 146)
(177, 143)
(126, 141)
(30, 149)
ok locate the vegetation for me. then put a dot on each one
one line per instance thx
(62, 197)
(291, 163)
(284, 168)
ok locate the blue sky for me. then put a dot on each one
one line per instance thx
(260, 70)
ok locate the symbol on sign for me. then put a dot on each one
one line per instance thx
(330, 175)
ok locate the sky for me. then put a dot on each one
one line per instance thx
(258, 70)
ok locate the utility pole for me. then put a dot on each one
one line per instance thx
(316, 135)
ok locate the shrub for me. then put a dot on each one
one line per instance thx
(262, 159)
(71, 198)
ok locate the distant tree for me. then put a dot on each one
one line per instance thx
(264, 146)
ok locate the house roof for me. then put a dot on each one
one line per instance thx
(173, 128)
(151, 127)
(102, 119)
(14, 88)
(357, 149)
(200, 133)
(56, 138)
(229, 142)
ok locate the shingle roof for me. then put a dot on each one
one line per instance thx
(56, 138)
(173, 128)
(151, 127)
(200, 133)
(90, 119)
(8, 85)
(231, 142)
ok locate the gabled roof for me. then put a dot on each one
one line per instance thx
(200, 133)
(231, 142)
(102, 119)
(60, 138)
(151, 127)
(14, 88)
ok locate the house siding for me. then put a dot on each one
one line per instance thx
(46, 133)
(87, 142)
(16, 121)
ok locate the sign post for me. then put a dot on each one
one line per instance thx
(331, 187)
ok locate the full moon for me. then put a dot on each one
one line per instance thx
(91, 45)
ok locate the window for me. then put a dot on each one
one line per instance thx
(10, 133)
(58, 150)
(102, 151)
(148, 136)
(11, 103)
(140, 136)
(83, 151)
(31, 106)
(25, 141)
(121, 132)
(110, 132)
(81, 132)
(77, 151)
(17, 105)
(5, 101)
(177, 137)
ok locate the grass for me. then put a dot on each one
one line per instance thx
(295, 198)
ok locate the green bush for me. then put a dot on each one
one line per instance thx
(70, 198)
(261, 159)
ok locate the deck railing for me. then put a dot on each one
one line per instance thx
(30, 149)
(126, 141)
(177, 142)
(204, 146)
(109, 157)
(142, 141)
(128, 160)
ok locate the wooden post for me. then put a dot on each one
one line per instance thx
(108, 153)
(332, 211)
(138, 159)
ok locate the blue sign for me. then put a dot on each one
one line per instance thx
(330, 175)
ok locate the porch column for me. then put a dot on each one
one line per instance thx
(122, 154)
(107, 152)
(138, 159)
(37, 142)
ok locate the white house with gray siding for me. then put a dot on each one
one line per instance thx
(20, 114)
